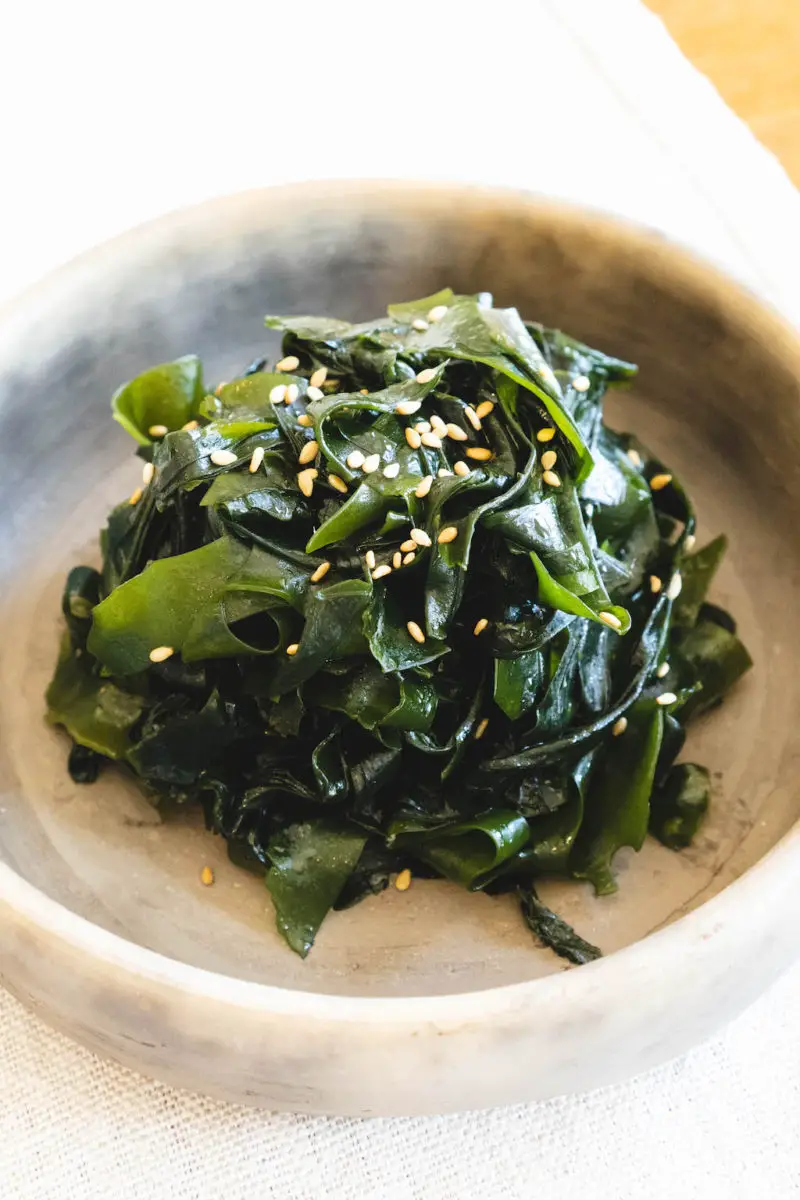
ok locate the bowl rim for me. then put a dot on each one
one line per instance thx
(767, 883)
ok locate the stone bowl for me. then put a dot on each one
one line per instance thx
(434, 999)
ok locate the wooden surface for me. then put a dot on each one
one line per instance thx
(750, 50)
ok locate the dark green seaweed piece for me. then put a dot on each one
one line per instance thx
(678, 806)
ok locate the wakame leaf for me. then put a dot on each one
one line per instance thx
(679, 804)
(168, 395)
(697, 571)
(712, 657)
(469, 851)
(554, 931)
(95, 713)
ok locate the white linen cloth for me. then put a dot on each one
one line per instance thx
(114, 114)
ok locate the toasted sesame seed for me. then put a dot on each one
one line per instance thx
(223, 458)
(318, 378)
(308, 453)
(438, 426)
(546, 435)
(581, 383)
(448, 534)
(619, 726)
(148, 471)
(484, 409)
(392, 470)
(382, 571)
(292, 650)
(666, 698)
(549, 459)
(407, 408)
(674, 586)
(321, 572)
(305, 480)
(371, 463)
(135, 496)
(551, 478)
(278, 393)
(479, 453)
(432, 440)
(635, 457)
(206, 877)
(369, 559)
(437, 312)
(472, 417)
(662, 670)
(610, 619)
(413, 438)
(427, 375)
(355, 460)
(290, 363)
(424, 487)
(189, 426)
(689, 543)
(305, 420)
(409, 558)
(156, 431)
(219, 387)
(660, 481)
(161, 654)
(314, 393)
(292, 392)
(419, 324)
(420, 537)
(423, 426)
(443, 473)
(337, 483)
(403, 881)
(257, 459)
(363, 391)
(655, 584)
(480, 626)
(481, 729)
(397, 560)
(415, 631)
(461, 468)
(408, 545)
(456, 432)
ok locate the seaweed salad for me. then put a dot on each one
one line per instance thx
(401, 606)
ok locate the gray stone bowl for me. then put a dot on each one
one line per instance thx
(434, 999)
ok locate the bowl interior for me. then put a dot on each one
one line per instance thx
(717, 398)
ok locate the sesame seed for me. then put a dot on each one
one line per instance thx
(413, 438)
(472, 417)
(408, 545)
(337, 484)
(219, 387)
(158, 431)
(314, 393)
(666, 698)
(407, 408)
(371, 463)
(581, 383)
(424, 487)
(432, 440)
(674, 586)
(655, 584)
(420, 537)
(427, 375)
(363, 391)
(662, 670)
(355, 460)
(148, 471)
(409, 558)
(382, 571)
(546, 435)
(619, 726)
(551, 479)
(305, 420)
(369, 559)
(635, 457)
(319, 377)
(308, 453)
(485, 409)
(321, 572)
(610, 619)
(423, 426)
(223, 458)
(415, 631)
(292, 650)
(290, 363)
(660, 481)
(438, 426)
(305, 480)
(161, 654)
(481, 730)
(549, 459)
(689, 543)
(189, 426)
(443, 473)
(437, 312)
(292, 392)
(206, 877)
(278, 393)
(257, 459)
(448, 534)
(480, 626)
(419, 324)
(461, 468)
(392, 470)
(403, 881)
(456, 432)
(479, 453)
(397, 560)
(135, 496)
